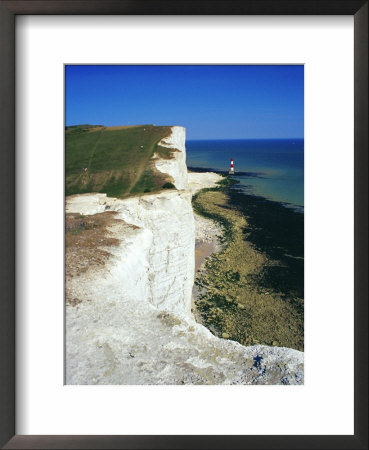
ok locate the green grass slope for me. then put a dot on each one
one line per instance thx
(117, 159)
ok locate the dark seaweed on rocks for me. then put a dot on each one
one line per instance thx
(225, 172)
(278, 232)
(252, 291)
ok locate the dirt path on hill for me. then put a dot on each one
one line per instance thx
(94, 149)
(138, 173)
(141, 167)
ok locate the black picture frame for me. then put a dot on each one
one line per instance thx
(8, 12)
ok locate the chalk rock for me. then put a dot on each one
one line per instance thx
(175, 167)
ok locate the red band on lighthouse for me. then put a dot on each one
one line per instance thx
(231, 170)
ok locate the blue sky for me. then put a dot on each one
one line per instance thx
(211, 102)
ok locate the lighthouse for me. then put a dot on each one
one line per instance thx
(231, 170)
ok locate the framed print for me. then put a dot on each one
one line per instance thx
(201, 285)
(191, 224)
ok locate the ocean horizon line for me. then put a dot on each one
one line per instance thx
(248, 139)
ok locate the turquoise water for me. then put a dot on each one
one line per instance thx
(273, 169)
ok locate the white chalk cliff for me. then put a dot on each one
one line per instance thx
(134, 324)
(175, 167)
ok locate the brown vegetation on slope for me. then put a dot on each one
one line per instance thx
(88, 240)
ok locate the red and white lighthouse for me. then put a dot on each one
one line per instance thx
(231, 170)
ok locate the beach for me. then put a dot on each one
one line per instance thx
(245, 286)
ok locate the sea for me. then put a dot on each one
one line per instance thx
(270, 168)
(270, 194)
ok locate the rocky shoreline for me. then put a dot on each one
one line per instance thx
(228, 297)
(208, 232)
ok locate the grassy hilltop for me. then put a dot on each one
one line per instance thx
(118, 159)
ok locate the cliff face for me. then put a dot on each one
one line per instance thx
(175, 167)
(157, 264)
(133, 323)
